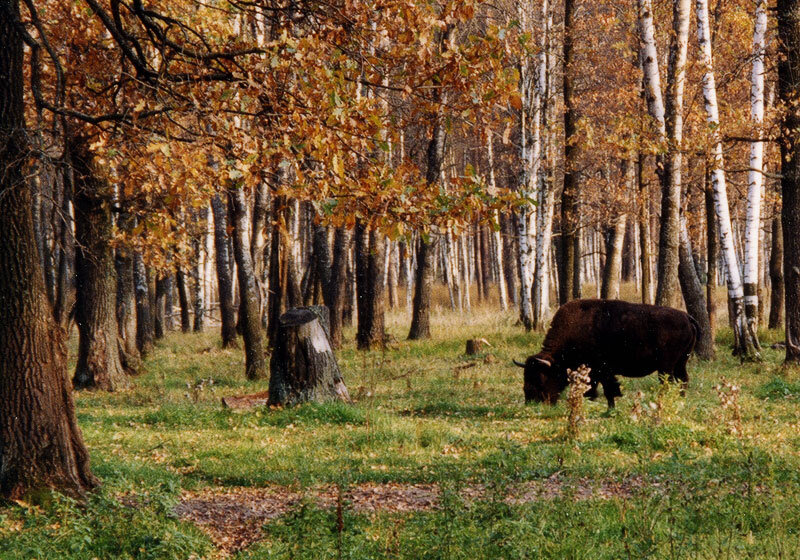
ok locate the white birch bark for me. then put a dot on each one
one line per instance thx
(530, 154)
(755, 171)
(649, 61)
(744, 342)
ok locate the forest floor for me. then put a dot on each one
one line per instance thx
(438, 457)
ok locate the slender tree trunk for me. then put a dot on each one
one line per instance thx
(496, 229)
(426, 254)
(184, 300)
(40, 443)
(338, 285)
(259, 241)
(370, 249)
(788, 16)
(197, 287)
(255, 358)
(644, 232)
(224, 276)
(776, 302)
(755, 173)
(746, 345)
(126, 311)
(570, 219)
(613, 265)
(99, 365)
(145, 328)
(712, 256)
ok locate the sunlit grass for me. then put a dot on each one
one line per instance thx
(420, 416)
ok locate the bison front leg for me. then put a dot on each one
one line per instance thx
(611, 390)
(591, 394)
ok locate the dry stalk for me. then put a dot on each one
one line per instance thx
(579, 383)
(728, 394)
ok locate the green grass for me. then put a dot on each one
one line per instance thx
(707, 492)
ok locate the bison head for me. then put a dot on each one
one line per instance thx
(541, 382)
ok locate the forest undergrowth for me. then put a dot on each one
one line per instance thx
(438, 457)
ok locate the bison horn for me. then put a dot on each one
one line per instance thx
(548, 363)
(520, 364)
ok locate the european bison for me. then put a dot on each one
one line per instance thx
(612, 337)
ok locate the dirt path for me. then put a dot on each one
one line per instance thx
(233, 517)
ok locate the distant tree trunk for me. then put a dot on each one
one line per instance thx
(321, 260)
(163, 287)
(126, 311)
(184, 300)
(497, 230)
(64, 284)
(644, 232)
(613, 264)
(337, 294)
(788, 16)
(476, 246)
(712, 258)
(776, 302)
(40, 443)
(224, 277)
(197, 275)
(421, 319)
(145, 328)
(370, 247)
(259, 241)
(694, 297)
(392, 274)
(570, 219)
(255, 359)
(746, 342)
(99, 365)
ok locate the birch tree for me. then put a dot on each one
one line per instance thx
(745, 342)
(755, 172)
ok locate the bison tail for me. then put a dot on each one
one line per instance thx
(697, 330)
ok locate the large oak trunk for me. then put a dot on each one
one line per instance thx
(126, 312)
(421, 316)
(303, 367)
(40, 443)
(788, 15)
(99, 365)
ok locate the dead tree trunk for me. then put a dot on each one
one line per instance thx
(303, 367)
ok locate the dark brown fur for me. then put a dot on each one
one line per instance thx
(612, 338)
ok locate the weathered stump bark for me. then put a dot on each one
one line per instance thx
(476, 345)
(303, 367)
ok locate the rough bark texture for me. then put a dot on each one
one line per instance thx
(776, 302)
(184, 301)
(712, 257)
(613, 265)
(370, 247)
(163, 286)
(694, 297)
(255, 359)
(126, 312)
(421, 316)
(335, 297)
(644, 232)
(570, 221)
(224, 276)
(303, 367)
(788, 15)
(145, 329)
(99, 365)
(40, 443)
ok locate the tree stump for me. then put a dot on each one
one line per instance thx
(475, 345)
(303, 367)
